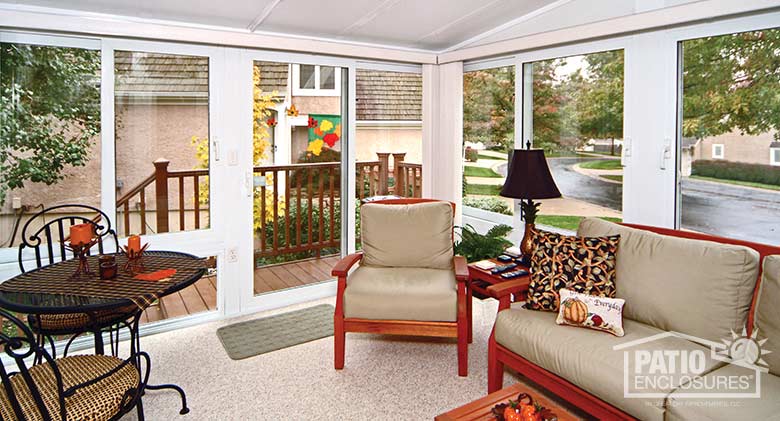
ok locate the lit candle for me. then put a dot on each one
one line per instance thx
(81, 233)
(134, 243)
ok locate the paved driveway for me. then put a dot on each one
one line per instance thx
(724, 209)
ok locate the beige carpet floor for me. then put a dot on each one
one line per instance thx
(385, 378)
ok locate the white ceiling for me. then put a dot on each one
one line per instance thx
(432, 25)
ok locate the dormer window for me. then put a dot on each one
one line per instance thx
(315, 80)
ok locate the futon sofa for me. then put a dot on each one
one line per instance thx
(702, 288)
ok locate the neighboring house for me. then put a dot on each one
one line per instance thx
(734, 146)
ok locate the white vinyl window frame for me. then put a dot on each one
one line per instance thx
(297, 90)
(524, 101)
(718, 151)
(674, 39)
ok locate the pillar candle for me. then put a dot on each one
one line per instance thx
(81, 233)
(134, 243)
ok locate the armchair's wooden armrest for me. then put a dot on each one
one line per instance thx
(461, 268)
(504, 289)
(342, 267)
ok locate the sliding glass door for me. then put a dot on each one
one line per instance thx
(297, 109)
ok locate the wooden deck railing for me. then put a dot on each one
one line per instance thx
(299, 204)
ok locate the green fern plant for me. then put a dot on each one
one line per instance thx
(475, 246)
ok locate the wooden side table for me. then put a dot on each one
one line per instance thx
(481, 409)
(481, 280)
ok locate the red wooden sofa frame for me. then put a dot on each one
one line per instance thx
(460, 329)
(499, 356)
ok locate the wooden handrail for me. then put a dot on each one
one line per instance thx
(297, 209)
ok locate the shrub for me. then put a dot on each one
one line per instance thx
(475, 246)
(739, 171)
(472, 155)
(491, 204)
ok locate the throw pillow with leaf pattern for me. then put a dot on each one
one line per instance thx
(582, 264)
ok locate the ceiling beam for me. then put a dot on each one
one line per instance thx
(640, 22)
(370, 16)
(512, 23)
(263, 15)
(458, 20)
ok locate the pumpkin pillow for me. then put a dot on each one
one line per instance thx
(582, 264)
(597, 313)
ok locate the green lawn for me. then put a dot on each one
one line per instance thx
(567, 222)
(483, 189)
(602, 164)
(612, 177)
(495, 158)
(738, 183)
(472, 171)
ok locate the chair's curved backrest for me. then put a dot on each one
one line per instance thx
(50, 228)
(18, 344)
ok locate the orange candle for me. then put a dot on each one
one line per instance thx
(81, 233)
(134, 243)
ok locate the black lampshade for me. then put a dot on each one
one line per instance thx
(529, 176)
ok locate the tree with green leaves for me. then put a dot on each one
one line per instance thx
(49, 112)
(548, 98)
(599, 103)
(732, 82)
(489, 106)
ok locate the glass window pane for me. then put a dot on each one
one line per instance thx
(488, 136)
(306, 77)
(327, 77)
(162, 146)
(575, 113)
(729, 186)
(50, 132)
(389, 135)
(297, 177)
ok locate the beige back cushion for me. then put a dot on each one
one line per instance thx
(416, 235)
(701, 288)
(768, 312)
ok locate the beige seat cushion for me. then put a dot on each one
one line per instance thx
(422, 294)
(585, 357)
(700, 288)
(417, 235)
(767, 407)
(767, 319)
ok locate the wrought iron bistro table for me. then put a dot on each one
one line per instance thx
(54, 290)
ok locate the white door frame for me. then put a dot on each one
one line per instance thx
(240, 230)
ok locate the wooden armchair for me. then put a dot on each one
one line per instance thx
(409, 282)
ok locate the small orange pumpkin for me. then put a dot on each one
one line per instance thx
(575, 311)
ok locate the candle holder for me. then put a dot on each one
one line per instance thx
(80, 252)
(135, 263)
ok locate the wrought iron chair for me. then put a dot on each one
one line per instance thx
(94, 387)
(45, 234)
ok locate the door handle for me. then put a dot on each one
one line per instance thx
(215, 145)
(625, 153)
(666, 153)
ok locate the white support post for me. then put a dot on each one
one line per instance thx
(443, 133)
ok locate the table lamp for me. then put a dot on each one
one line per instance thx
(529, 178)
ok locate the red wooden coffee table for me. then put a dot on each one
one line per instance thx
(481, 409)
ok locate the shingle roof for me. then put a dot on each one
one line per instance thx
(273, 76)
(381, 95)
(161, 74)
(153, 74)
(388, 96)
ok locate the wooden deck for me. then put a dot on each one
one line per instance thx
(293, 274)
(202, 296)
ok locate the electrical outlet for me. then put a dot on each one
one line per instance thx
(232, 255)
(16, 203)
